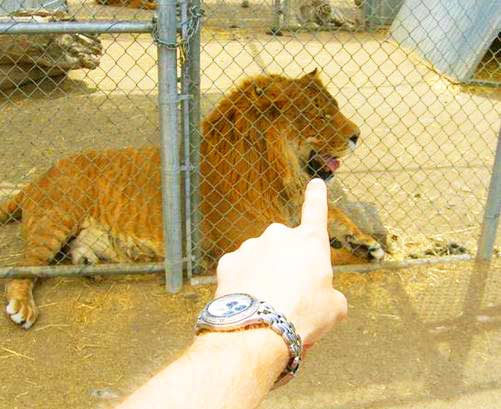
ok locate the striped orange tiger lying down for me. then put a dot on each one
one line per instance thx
(260, 146)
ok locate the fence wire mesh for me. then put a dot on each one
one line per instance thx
(69, 94)
(350, 91)
(416, 181)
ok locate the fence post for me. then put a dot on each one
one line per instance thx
(170, 143)
(195, 134)
(186, 23)
(190, 74)
(277, 18)
(492, 210)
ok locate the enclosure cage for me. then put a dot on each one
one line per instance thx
(422, 181)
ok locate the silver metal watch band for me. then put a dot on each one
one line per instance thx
(287, 331)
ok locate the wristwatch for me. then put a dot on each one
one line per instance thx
(238, 311)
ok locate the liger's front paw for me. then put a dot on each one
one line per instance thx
(365, 247)
(22, 311)
(81, 254)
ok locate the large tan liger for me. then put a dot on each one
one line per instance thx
(260, 146)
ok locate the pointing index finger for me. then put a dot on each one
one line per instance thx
(314, 213)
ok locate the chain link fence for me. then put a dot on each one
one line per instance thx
(408, 75)
(80, 76)
(394, 103)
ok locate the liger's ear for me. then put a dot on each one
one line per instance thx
(272, 94)
(313, 74)
(258, 91)
(268, 97)
(260, 97)
(311, 77)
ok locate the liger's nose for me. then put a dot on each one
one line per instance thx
(354, 138)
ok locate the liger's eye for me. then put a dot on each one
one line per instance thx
(327, 117)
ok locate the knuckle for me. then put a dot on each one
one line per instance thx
(276, 228)
(247, 244)
(341, 305)
(225, 263)
(315, 237)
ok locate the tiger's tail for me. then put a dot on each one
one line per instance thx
(10, 209)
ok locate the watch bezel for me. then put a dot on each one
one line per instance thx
(209, 321)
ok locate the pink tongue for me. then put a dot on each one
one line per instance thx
(333, 164)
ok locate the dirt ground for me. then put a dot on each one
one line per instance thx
(424, 337)
(427, 337)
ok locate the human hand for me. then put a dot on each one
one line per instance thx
(290, 269)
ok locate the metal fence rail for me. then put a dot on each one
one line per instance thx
(93, 27)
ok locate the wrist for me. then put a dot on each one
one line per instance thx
(259, 349)
(252, 339)
(238, 311)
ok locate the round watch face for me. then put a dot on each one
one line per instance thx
(230, 305)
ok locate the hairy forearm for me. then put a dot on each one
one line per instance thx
(219, 370)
